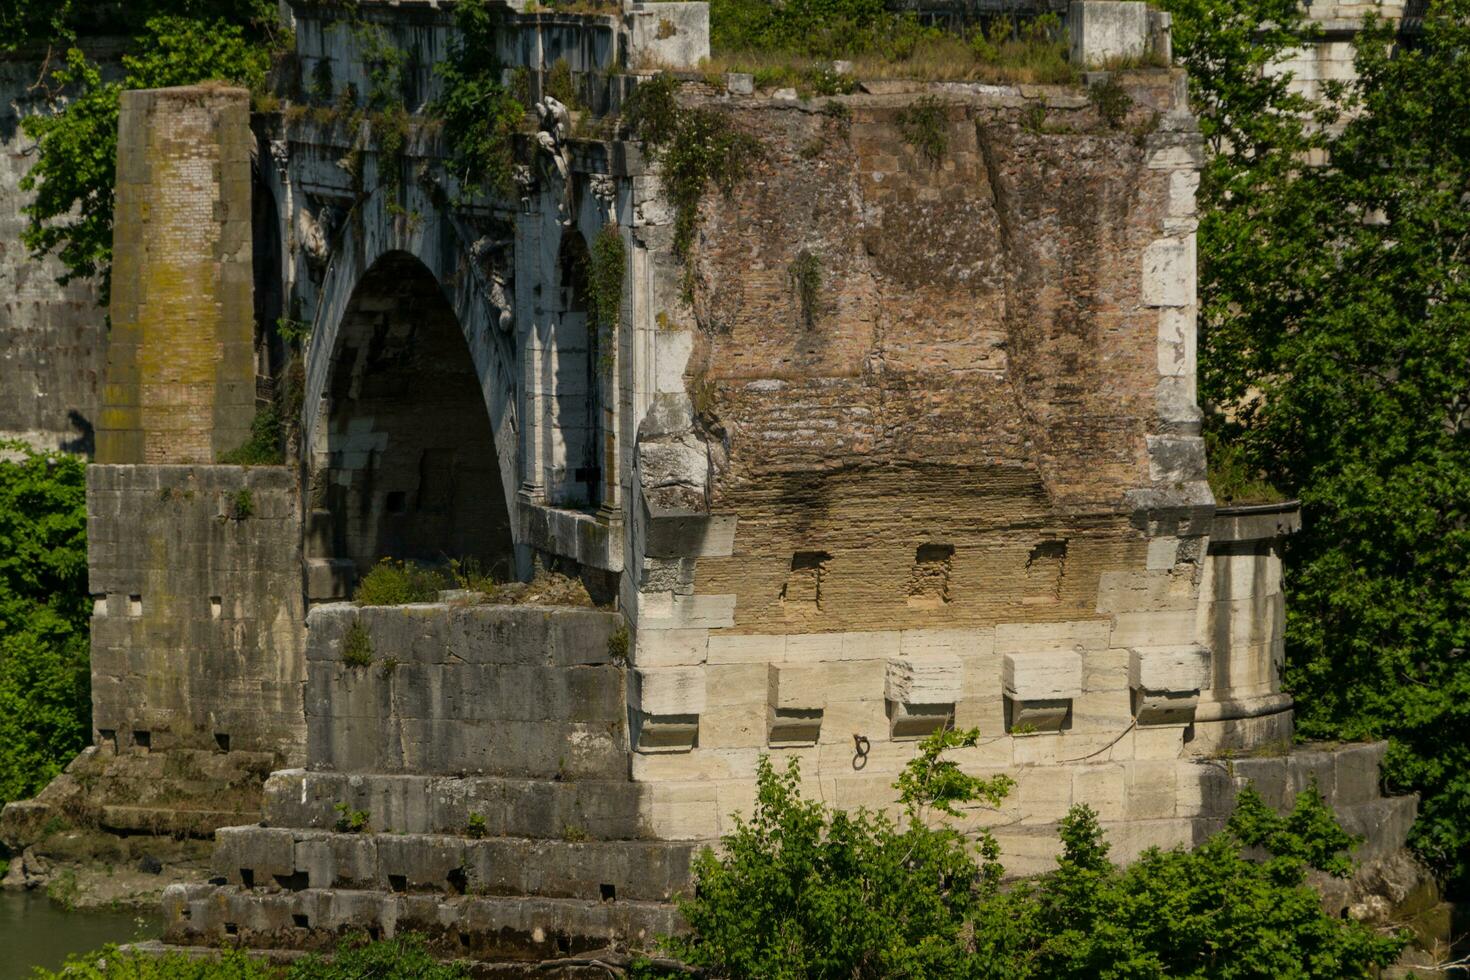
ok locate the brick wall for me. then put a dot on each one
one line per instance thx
(180, 371)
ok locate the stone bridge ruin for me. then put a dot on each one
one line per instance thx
(959, 482)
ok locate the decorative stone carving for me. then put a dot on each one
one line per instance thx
(555, 158)
(314, 234)
(666, 704)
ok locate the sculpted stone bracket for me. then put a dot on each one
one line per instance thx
(921, 694)
(1166, 682)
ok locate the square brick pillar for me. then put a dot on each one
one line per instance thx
(180, 384)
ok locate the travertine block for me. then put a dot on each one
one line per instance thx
(1169, 668)
(1156, 628)
(1152, 790)
(1082, 634)
(668, 690)
(732, 649)
(671, 648)
(797, 686)
(924, 680)
(1045, 793)
(1102, 786)
(1042, 676)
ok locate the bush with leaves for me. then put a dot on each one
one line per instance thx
(801, 890)
(1335, 361)
(45, 705)
(481, 115)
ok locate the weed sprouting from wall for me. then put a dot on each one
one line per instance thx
(607, 270)
(806, 282)
(925, 126)
(242, 504)
(697, 146)
(1111, 102)
(350, 821)
(263, 448)
(357, 646)
(396, 583)
(560, 86)
(617, 644)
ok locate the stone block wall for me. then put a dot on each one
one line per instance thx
(53, 338)
(197, 638)
(521, 691)
(181, 368)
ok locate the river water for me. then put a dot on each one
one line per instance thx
(34, 931)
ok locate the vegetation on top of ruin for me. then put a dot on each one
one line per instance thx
(481, 114)
(794, 44)
(802, 890)
(393, 582)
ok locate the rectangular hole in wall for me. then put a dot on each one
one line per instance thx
(457, 881)
(1045, 567)
(216, 606)
(222, 741)
(397, 502)
(398, 883)
(231, 929)
(135, 605)
(929, 578)
(143, 740)
(803, 589)
(247, 877)
(300, 921)
(374, 933)
(607, 892)
(296, 881)
(107, 736)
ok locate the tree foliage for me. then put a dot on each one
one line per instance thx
(45, 707)
(1335, 361)
(481, 115)
(801, 890)
(75, 170)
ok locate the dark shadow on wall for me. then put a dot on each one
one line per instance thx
(412, 469)
(85, 444)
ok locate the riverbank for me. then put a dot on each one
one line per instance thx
(90, 871)
(35, 931)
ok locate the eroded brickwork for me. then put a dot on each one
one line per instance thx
(181, 370)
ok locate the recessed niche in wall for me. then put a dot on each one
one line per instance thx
(222, 741)
(397, 501)
(135, 605)
(142, 739)
(216, 606)
(929, 577)
(107, 736)
(802, 592)
(1044, 570)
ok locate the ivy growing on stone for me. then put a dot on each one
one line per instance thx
(696, 145)
(481, 116)
(607, 270)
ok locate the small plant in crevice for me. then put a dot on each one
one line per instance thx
(350, 821)
(388, 667)
(925, 127)
(397, 583)
(561, 86)
(263, 448)
(806, 283)
(242, 504)
(697, 147)
(476, 828)
(1111, 101)
(357, 646)
(617, 644)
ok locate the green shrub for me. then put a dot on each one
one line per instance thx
(618, 643)
(357, 646)
(801, 890)
(45, 609)
(806, 282)
(476, 826)
(1111, 101)
(350, 821)
(396, 583)
(263, 448)
(481, 116)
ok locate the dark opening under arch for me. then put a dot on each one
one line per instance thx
(410, 468)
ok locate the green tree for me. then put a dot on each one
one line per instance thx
(1335, 359)
(76, 164)
(45, 707)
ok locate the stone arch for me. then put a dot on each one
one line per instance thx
(421, 278)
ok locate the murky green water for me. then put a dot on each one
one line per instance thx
(34, 931)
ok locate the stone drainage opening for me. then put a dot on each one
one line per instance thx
(247, 878)
(222, 741)
(300, 921)
(399, 883)
(608, 893)
(142, 739)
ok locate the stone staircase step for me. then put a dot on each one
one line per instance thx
(474, 926)
(277, 858)
(509, 807)
(157, 820)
